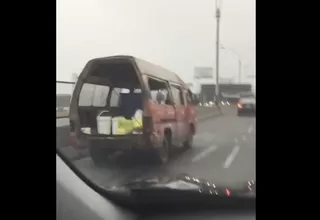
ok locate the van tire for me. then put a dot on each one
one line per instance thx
(189, 142)
(98, 156)
(163, 154)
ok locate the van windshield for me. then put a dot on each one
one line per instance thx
(93, 95)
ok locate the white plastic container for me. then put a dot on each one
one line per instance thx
(138, 115)
(86, 130)
(115, 125)
(103, 124)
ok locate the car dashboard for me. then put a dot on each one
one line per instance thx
(76, 201)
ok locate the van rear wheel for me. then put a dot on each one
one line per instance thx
(189, 142)
(163, 154)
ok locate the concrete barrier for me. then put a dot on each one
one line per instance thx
(207, 112)
(62, 129)
(62, 114)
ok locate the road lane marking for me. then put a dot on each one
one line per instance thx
(204, 153)
(209, 137)
(250, 129)
(205, 137)
(231, 157)
(243, 137)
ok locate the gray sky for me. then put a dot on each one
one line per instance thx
(176, 34)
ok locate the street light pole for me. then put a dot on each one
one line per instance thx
(218, 14)
(239, 62)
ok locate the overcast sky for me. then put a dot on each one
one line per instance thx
(176, 34)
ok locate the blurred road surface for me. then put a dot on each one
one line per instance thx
(223, 152)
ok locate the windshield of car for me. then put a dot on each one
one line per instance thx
(131, 117)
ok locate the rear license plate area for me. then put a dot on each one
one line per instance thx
(111, 143)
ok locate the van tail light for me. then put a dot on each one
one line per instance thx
(71, 125)
(73, 140)
(147, 118)
(147, 124)
(239, 105)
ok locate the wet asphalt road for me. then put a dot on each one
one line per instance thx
(223, 153)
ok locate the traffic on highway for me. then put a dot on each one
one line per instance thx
(127, 123)
(157, 135)
(223, 152)
(147, 113)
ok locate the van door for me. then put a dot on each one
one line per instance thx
(181, 112)
(190, 113)
(162, 108)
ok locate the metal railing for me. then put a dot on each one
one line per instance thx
(63, 97)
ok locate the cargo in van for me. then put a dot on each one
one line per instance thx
(109, 92)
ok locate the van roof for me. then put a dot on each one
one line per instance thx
(147, 68)
(151, 69)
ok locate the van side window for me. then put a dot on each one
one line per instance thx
(93, 95)
(177, 94)
(159, 91)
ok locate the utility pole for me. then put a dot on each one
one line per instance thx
(218, 14)
(239, 61)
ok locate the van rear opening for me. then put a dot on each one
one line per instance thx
(110, 98)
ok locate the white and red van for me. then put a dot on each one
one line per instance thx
(120, 87)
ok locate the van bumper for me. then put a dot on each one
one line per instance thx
(123, 142)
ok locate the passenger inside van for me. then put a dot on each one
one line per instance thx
(129, 103)
(160, 97)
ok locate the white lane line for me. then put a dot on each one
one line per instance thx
(209, 137)
(250, 129)
(204, 137)
(231, 157)
(244, 137)
(204, 153)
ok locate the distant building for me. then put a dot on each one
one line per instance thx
(195, 87)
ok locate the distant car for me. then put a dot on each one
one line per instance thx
(246, 105)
